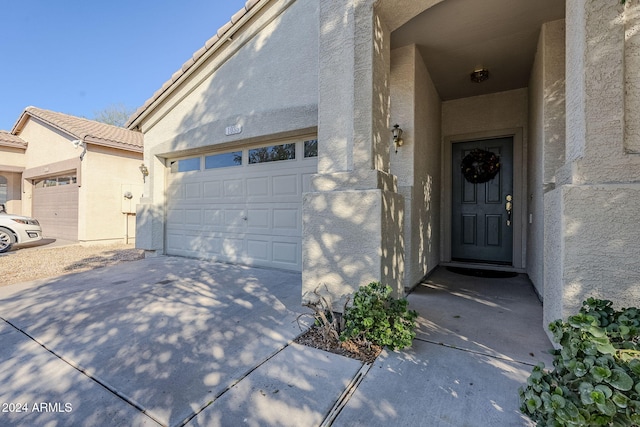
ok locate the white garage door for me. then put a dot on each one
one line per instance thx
(241, 207)
(55, 206)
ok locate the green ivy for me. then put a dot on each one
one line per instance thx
(376, 317)
(596, 375)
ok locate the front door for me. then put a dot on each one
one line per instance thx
(481, 226)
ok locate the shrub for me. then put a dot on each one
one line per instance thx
(376, 317)
(596, 375)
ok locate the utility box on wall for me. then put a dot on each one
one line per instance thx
(130, 196)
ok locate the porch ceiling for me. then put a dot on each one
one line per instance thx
(457, 36)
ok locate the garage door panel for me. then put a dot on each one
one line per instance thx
(212, 189)
(234, 219)
(193, 217)
(192, 190)
(213, 217)
(258, 250)
(286, 252)
(175, 191)
(285, 185)
(56, 208)
(258, 219)
(286, 219)
(257, 187)
(233, 188)
(175, 216)
(249, 214)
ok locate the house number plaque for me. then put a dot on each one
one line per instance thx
(233, 130)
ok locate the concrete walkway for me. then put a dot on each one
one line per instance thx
(173, 341)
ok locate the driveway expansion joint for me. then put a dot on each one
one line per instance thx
(84, 372)
(480, 353)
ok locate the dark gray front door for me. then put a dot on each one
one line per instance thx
(480, 226)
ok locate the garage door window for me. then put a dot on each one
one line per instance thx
(55, 181)
(272, 153)
(311, 148)
(223, 160)
(185, 165)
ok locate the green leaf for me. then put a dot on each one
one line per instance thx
(607, 407)
(600, 373)
(533, 403)
(620, 380)
(620, 399)
(604, 345)
(585, 390)
(596, 331)
(580, 370)
(598, 397)
(605, 390)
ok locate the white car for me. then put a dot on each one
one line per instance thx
(16, 229)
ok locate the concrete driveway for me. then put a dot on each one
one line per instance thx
(155, 342)
(174, 341)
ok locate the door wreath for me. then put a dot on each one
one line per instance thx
(480, 166)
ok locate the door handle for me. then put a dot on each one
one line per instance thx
(509, 208)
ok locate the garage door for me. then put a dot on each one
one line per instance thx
(243, 206)
(55, 206)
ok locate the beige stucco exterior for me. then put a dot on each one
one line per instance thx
(372, 213)
(238, 84)
(99, 214)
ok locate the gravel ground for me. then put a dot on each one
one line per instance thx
(23, 265)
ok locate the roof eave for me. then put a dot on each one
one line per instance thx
(89, 139)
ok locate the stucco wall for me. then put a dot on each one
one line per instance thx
(104, 172)
(261, 80)
(546, 138)
(46, 144)
(415, 105)
(11, 158)
(598, 140)
(501, 110)
(591, 228)
(593, 247)
(350, 240)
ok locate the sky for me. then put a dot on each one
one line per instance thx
(81, 57)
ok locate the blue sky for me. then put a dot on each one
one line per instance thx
(81, 56)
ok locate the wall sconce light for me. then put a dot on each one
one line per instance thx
(79, 143)
(144, 171)
(397, 136)
(479, 75)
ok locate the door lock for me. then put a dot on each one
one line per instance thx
(508, 207)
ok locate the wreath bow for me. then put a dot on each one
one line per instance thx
(480, 166)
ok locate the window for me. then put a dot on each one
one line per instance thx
(311, 148)
(185, 165)
(223, 160)
(272, 153)
(3, 190)
(54, 181)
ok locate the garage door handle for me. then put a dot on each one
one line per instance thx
(245, 218)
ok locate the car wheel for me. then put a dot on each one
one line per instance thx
(6, 240)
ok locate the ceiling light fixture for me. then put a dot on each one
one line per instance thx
(479, 75)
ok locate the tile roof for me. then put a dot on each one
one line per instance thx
(213, 43)
(86, 130)
(7, 139)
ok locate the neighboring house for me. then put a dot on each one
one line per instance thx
(72, 175)
(12, 158)
(272, 145)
